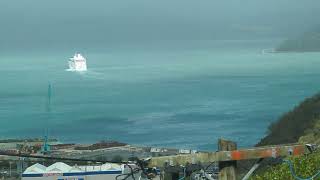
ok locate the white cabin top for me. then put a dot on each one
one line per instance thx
(78, 57)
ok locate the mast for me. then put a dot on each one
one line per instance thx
(46, 148)
(48, 105)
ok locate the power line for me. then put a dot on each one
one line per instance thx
(3, 153)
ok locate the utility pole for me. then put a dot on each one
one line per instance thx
(10, 163)
(46, 147)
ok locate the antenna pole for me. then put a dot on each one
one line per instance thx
(46, 147)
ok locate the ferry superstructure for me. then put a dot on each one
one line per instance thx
(77, 63)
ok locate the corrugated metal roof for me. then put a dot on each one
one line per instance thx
(61, 167)
(36, 168)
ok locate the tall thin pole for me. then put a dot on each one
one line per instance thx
(49, 115)
(48, 110)
(10, 168)
(48, 107)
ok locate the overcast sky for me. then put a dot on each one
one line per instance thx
(56, 21)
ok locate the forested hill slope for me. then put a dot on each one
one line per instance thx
(302, 123)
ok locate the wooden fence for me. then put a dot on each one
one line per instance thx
(227, 156)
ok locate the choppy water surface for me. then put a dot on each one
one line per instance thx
(173, 95)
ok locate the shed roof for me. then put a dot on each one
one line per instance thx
(36, 168)
(59, 167)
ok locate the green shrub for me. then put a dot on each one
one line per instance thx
(304, 166)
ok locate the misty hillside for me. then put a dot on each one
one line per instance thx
(301, 124)
(308, 42)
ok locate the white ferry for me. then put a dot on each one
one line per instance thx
(77, 63)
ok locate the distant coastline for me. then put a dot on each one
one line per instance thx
(17, 140)
(307, 42)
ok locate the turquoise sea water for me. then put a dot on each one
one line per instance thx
(181, 94)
